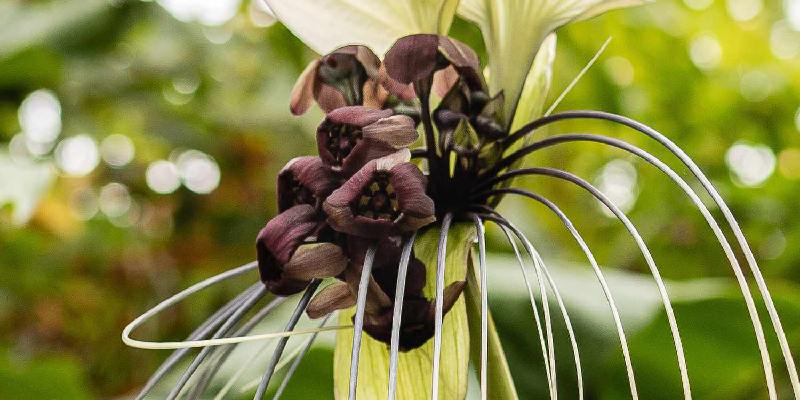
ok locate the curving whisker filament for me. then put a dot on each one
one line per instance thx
(276, 354)
(484, 288)
(397, 314)
(202, 331)
(210, 371)
(439, 307)
(541, 268)
(598, 273)
(366, 273)
(251, 301)
(727, 214)
(629, 226)
(297, 360)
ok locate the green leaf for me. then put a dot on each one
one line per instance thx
(21, 27)
(414, 368)
(500, 384)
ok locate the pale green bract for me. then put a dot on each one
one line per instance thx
(514, 30)
(325, 25)
(414, 368)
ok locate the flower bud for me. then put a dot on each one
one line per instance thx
(416, 58)
(349, 137)
(287, 256)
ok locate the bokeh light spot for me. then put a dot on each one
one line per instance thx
(705, 51)
(117, 150)
(751, 164)
(698, 5)
(755, 85)
(784, 42)
(260, 15)
(620, 70)
(115, 200)
(617, 180)
(84, 204)
(792, 10)
(162, 177)
(744, 10)
(206, 12)
(198, 171)
(77, 155)
(39, 117)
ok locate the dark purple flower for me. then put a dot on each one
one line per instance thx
(382, 284)
(418, 320)
(416, 58)
(351, 75)
(305, 180)
(387, 196)
(335, 80)
(349, 137)
(288, 256)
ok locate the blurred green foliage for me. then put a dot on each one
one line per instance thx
(88, 258)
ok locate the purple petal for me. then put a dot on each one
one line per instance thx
(336, 296)
(304, 180)
(316, 260)
(397, 131)
(279, 239)
(359, 116)
(412, 58)
(328, 97)
(417, 208)
(303, 92)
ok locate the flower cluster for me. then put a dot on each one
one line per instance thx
(360, 191)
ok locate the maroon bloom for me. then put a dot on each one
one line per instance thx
(305, 180)
(416, 58)
(336, 80)
(418, 320)
(418, 312)
(351, 75)
(288, 257)
(349, 137)
(387, 196)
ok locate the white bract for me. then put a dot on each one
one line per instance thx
(514, 30)
(325, 25)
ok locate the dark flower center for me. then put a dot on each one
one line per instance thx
(341, 141)
(379, 200)
(301, 194)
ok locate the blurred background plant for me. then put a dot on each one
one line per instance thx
(138, 141)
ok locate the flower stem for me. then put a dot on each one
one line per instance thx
(423, 91)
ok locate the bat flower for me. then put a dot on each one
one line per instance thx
(305, 180)
(351, 136)
(390, 226)
(289, 257)
(385, 197)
